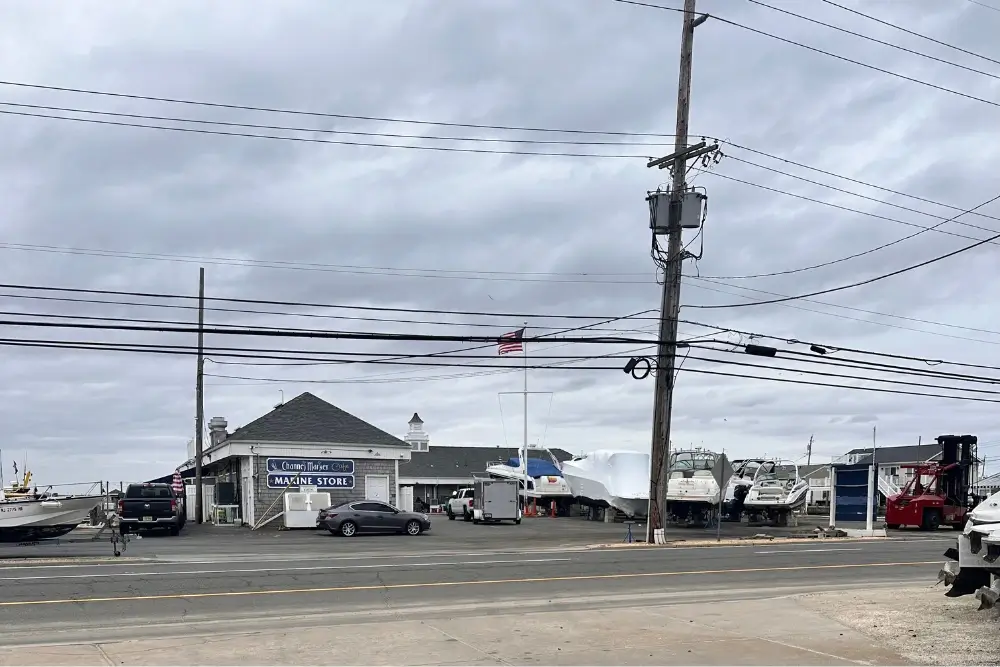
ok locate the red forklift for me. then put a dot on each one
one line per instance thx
(938, 494)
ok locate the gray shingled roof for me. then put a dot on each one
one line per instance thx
(308, 418)
(901, 454)
(463, 461)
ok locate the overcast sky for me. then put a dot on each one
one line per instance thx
(435, 230)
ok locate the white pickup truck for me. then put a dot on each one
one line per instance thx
(460, 504)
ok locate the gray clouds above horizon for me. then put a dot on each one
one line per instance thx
(85, 414)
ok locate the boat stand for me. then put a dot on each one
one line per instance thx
(628, 535)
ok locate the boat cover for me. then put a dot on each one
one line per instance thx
(536, 467)
(624, 474)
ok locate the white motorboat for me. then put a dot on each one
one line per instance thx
(611, 478)
(545, 481)
(744, 473)
(692, 494)
(27, 516)
(777, 491)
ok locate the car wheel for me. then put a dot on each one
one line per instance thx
(175, 531)
(466, 516)
(517, 522)
(413, 528)
(892, 526)
(348, 529)
(451, 516)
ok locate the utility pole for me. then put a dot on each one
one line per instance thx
(670, 305)
(199, 420)
(809, 451)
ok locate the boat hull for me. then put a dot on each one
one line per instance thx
(44, 519)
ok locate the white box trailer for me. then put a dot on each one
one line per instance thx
(496, 500)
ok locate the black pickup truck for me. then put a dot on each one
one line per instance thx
(151, 506)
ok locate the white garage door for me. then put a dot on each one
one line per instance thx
(377, 487)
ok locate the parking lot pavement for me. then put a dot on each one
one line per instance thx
(536, 533)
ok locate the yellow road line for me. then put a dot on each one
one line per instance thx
(440, 584)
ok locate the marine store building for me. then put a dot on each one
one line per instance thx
(304, 442)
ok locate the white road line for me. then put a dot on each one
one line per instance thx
(277, 569)
(805, 551)
(281, 558)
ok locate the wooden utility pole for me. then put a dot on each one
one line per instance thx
(199, 420)
(670, 305)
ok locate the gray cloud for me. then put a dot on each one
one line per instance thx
(85, 414)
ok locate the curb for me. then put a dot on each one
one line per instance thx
(745, 542)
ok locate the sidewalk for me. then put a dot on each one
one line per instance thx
(780, 631)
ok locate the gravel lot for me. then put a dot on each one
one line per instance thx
(919, 623)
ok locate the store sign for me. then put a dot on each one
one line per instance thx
(323, 474)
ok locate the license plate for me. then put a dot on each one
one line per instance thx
(147, 518)
(488, 516)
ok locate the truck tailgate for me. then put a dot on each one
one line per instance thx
(146, 509)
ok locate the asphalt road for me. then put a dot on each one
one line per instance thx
(255, 581)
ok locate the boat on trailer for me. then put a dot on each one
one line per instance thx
(744, 473)
(692, 494)
(27, 515)
(777, 491)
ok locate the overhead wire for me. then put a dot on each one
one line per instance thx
(316, 140)
(867, 281)
(831, 349)
(983, 4)
(859, 310)
(830, 54)
(322, 114)
(316, 130)
(880, 41)
(306, 304)
(912, 32)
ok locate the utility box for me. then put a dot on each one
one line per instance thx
(496, 500)
(686, 207)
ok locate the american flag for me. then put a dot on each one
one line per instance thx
(178, 483)
(511, 342)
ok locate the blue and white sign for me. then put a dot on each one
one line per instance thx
(324, 474)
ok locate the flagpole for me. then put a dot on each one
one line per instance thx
(524, 448)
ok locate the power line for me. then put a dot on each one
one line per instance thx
(314, 140)
(434, 359)
(882, 42)
(453, 274)
(866, 213)
(848, 192)
(911, 32)
(304, 304)
(318, 114)
(859, 310)
(830, 349)
(869, 280)
(983, 4)
(189, 350)
(849, 179)
(830, 54)
(307, 333)
(856, 364)
(287, 128)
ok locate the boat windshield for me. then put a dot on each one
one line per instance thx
(681, 461)
(779, 474)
